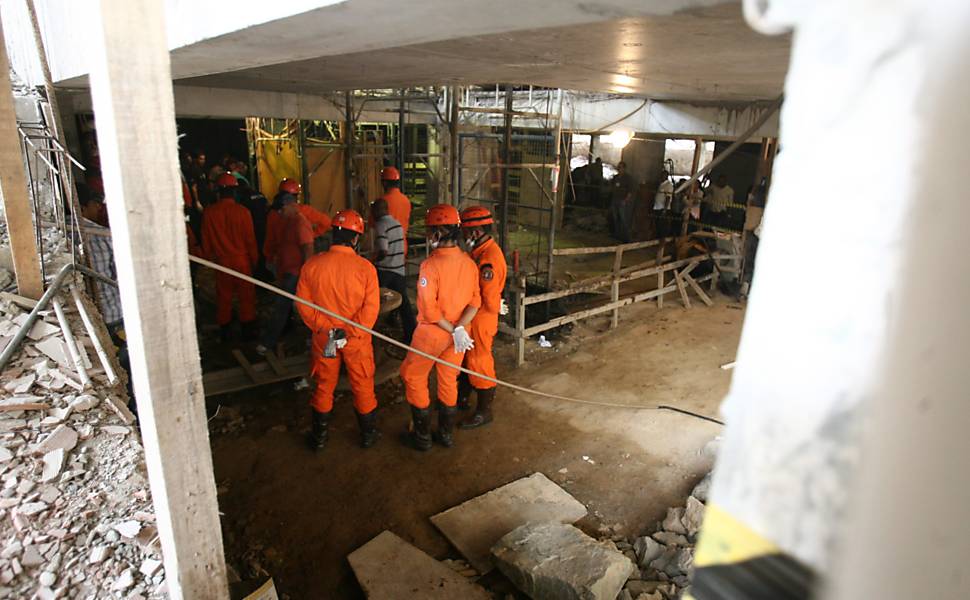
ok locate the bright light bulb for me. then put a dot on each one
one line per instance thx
(619, 138)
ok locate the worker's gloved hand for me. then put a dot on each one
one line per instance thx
(463, 341)
(340, 343)
(503, 308)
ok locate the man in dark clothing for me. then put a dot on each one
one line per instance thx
(622, 191)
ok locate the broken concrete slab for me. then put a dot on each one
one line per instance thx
(647, 549)
(389, 568)
(473, 527)
(673, 521)
(553, 561)
(63, 438)
(693, 515)
(53, 463)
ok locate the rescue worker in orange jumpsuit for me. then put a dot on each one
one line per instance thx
(229, 240)
(448, 298)
(344, 283)
(398, 205)
(319, 221)
(476, 228)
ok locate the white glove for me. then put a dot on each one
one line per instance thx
(503, 308)
(463, 341)
(340, 343)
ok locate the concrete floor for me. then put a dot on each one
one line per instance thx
(296, 516)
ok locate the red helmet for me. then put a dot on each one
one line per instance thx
(390, 174)
(348, 219)
(289, 186)
(226, 180)
(442, 214)
(475, 216)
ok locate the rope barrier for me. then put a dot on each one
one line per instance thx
(436, 359)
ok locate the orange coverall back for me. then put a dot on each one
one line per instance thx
(228, 238)
(447, 284)
(399, 207)
(320, 222)
(492, 271)
(342, 282)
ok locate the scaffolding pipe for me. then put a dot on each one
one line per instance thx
(453, 147)
(72, 348)
(349, 142)
(506, 160)
(95, 338)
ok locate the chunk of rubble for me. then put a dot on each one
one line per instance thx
(84, 402)
(647, 549)
(673, 520)
(21, 385)
(552, 561)
(53, 463)
(63, 438)
(128, 529)
(124, 581)
(669, 538)
(693, 515)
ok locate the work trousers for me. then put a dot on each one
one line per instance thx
(282, 309)
(398, 283)
(415, 369)
(622, 212)
(229, 287)
(358, 358)
(479, 359)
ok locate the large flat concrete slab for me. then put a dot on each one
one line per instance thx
(388, 568)
(475, 526)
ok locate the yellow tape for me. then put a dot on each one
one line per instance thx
(726, 540)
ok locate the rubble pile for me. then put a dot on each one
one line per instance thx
(76, 518)
(665, 558)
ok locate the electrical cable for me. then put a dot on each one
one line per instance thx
(436, 359)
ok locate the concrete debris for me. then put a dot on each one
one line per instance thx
(551, 561)
(62, 438)
(702, 488)
(666, 556)
(71, 468)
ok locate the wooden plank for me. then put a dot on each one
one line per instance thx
(388, 568)
(131, 89)
(615, 288)
(13, 189)
(563, 320)
(681, 290)
(604, 249)
(274, 362)
(693, 284)
(245, 364)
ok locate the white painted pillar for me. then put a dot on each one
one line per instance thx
(133, 103)
(846, 442)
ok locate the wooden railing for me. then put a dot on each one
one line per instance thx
(682, 282)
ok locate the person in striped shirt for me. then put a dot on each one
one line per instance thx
(389, 257)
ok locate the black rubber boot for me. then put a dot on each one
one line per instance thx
(317, 438)
(446, 425)
(464, 392)
(419, 437)
(483, 410)
(368, 429)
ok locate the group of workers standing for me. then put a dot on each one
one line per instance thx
(459, 299)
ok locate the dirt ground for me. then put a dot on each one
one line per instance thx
(296, 515)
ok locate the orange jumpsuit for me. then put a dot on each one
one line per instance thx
(447, 284)
(228, 238)
(492, 270)
(320, 222)
(343, 282)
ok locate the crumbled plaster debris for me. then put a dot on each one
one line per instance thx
(71, 468)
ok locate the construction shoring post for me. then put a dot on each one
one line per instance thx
(133, 101)
(695, 164)
(520, 322)
(349, 146)
(400, 137)
(556, 192)
(301, 149)
(13, 188)
(454, 163)
(506, 171)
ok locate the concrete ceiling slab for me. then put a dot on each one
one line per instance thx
(706, 53)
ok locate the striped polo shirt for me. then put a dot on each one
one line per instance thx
(389, 237)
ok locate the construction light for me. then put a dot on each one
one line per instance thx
(619, 138)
